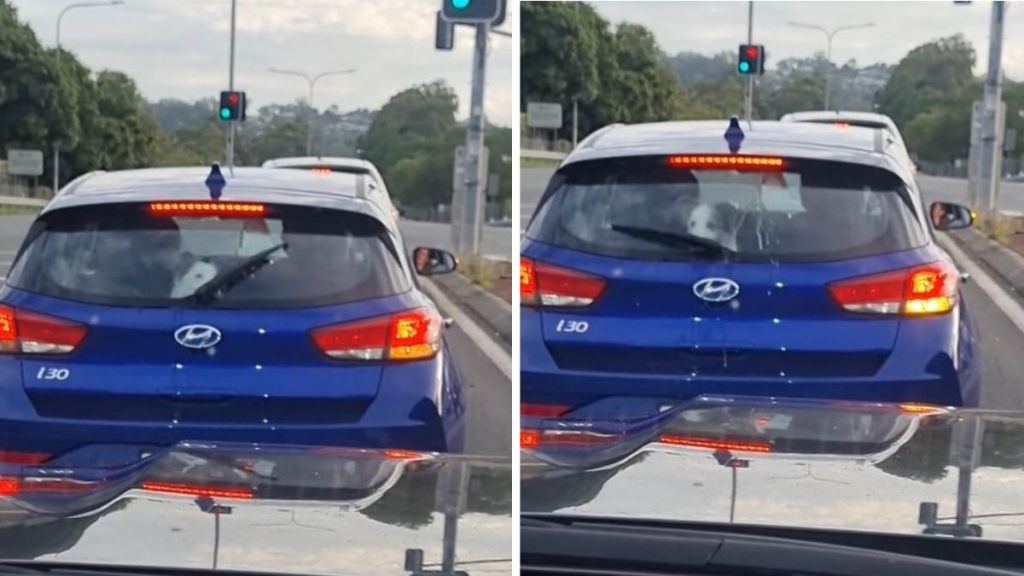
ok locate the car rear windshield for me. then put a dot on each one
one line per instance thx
(123, 255)
(645, 208)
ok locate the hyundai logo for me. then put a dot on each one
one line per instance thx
(197, 336)
(716, 289)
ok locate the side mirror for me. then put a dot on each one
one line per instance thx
(950, 216)
(433, 261)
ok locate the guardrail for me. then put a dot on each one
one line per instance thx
(17, 201)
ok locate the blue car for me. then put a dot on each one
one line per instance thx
(767, 259)
(151, 307)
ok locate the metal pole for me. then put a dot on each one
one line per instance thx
(748, 104)
(470, 233)
(312, 111)
(989, 176)
(732, 502)
(828, 71)
(970, 453)
(575, 119)
(231, 87)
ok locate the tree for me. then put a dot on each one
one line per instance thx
(928, 77)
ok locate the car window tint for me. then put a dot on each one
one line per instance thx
(122, 255)
(812, 211)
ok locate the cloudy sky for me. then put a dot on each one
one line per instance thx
(710, 27)
(179, 48)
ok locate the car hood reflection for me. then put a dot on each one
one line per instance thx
(789, 463)
(266, 508)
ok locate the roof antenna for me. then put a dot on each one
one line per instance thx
(215, 182)
(734, 135)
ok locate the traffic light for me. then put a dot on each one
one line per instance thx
(473, 11)
(232, 106)
(751, 60)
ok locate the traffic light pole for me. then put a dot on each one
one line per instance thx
(988, 172)
(230, 154)
(748, 103)
(468, 230)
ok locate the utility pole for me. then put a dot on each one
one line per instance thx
(468, 233)
(829, 35)
(60, 17)
(991, 128)
(748, 104)
(230, 156)
(311, 81)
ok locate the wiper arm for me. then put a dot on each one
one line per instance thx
(225, 281)
(672, 239)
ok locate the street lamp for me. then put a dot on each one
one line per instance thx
(829, 34)
(56, 145)
(312, 85)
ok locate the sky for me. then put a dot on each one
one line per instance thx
(711, 27)
(180, 49)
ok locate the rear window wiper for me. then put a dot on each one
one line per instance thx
(673, 239)
(224, 281)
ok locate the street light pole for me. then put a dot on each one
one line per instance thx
(60, 17)
(312, 87)
(829, 35)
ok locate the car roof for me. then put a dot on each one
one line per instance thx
(873, 118)
(852, 144)
(328, 161)
(339, 191)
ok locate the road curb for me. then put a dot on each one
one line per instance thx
(491, 312)
(1005, 264)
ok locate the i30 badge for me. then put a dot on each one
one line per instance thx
(716, 289)
(197, 336)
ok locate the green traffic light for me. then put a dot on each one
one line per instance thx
(460, 4)
(225, 113)
(744, 67)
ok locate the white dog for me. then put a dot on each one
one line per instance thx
(719, 223)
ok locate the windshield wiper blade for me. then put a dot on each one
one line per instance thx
(228, 279)
(673, 239)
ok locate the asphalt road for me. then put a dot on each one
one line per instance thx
(491, 413)
(1002, 342)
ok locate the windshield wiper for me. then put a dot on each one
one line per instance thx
(225, 281)
(673, 239)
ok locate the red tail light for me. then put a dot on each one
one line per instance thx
(196, 490)
(727, 162)
(930, 289)
(29, 333)
(542, 410)
(411, 335)
(542, 284)
(205, 208)
(716, 444)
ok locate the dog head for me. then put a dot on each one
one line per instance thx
(719, 223)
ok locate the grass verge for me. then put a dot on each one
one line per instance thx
(12, 210)
(538, 163)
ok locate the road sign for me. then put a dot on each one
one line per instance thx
(544, 115)
(25, 162)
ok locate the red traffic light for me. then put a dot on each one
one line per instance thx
(751, 51)
(233, 98)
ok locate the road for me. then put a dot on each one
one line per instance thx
(491, 413)
(1002, 343)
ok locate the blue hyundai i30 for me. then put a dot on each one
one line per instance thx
(759, 259)
(151, 307)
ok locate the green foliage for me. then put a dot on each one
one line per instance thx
(930, 76)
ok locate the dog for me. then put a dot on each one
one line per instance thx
(719, 223)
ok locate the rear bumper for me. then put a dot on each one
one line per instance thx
(944, 374)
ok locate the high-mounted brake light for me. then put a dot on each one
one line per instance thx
(841, 124)
(411, 335)
(197, 490)
(542, 284)
(24, 332)
(924, 290)
(716, 444)
(321, 171)
(203, 208)
(726, 162)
